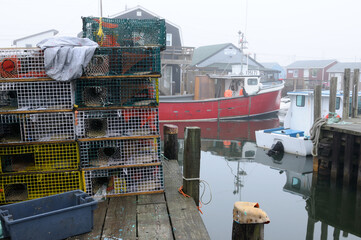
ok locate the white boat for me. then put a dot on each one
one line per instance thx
(298, 121)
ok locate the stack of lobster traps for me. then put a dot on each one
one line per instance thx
(98, 133)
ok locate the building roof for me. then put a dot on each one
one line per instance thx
(270, 64)
(36, 34)
(202, 53)
(311, 64)
(340, 67)
(228, 67)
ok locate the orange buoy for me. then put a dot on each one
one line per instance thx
(228, 93)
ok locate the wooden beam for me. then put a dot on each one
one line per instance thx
(336, 144)
(356, 76)
(170, 137)
(347, 167)
(317, 102)
(346, 94)
(333, 90)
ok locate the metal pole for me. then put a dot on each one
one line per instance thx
(101, 8)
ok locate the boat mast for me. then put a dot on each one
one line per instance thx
(242, 45)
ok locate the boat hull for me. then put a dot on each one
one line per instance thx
(221, 108)
(294, 145)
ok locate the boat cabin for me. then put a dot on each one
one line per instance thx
(300, 113)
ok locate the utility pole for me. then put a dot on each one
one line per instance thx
(242, 45)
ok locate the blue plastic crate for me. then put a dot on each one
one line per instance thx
(54, 217)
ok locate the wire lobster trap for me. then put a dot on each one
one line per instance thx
(106, 153)
(120, 181)
(34, 127)
(22, 63)
(117, 123)
(116, 92)
(126, 32)
(124, 61)
(39, 157)
(36, 95)
(21, 187)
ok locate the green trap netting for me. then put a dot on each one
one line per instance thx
(126, 32)
(124, 61)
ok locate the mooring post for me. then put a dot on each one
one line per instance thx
(170, 134)
(356, 76)
(346, 94)
(333, 90)
(317, 103)
(191, 162)
(248, 221)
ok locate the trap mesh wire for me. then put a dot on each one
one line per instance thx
(117, 123)
(124, 180)
(119, 152)
(21, 63)
(44, 157)
(34, 127)
(35, 95)
(21, 187)
(126, 32)
(116, 92)
(124, 61)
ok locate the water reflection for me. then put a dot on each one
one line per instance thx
(300, 205)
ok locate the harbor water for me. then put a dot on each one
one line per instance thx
(234, 169)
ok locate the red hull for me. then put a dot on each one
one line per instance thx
(221, 108)
(225, 130)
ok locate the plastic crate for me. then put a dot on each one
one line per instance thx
(35, 95)
(133, 180)
(117, 123)
(116, 92)
(126, 32)
(22, 187)
(34, 127)
(106, 153)
(123, 61)
(39, 157)
(54, 217)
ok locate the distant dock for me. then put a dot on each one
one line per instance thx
(167, 215)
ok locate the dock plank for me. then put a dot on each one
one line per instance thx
(99, 216)
(120, 221)
(151, 198)
(185, 217)
(153, 222)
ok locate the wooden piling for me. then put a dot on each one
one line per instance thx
(346, 94)
(247, 231)
(310, 228)
(333, 90)
(191, 162)
(317, 102)
(324, 228)
(356, 76)
(336, 143)
(170, 133)
(347, 167)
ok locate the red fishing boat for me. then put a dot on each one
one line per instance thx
(223, 97)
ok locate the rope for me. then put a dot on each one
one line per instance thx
(100, 31)
(315, 134)
(201, 203)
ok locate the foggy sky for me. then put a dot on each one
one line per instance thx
(277, 30)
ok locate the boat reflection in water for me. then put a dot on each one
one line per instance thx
(300, 205)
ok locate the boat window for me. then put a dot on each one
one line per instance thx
(338, 101)
(252, 81)
(300, 101)
(296, 183)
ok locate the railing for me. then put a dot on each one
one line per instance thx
(173, 52)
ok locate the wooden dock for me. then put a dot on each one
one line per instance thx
(167, 215)
(339, 151)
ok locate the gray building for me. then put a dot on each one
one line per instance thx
(338, 70)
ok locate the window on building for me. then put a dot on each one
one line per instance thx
(314, 72)
(300, 101)
(296, 183)
(139, 13)
(169, 39)
(306, 73)
(295, 73)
